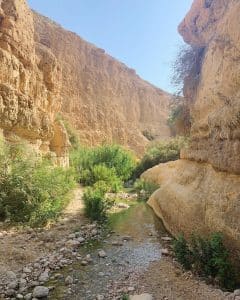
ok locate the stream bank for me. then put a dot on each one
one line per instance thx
(68, 261)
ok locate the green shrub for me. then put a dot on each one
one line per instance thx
(182, 252)
(207, 257)
(160, 152)
(31, 191)
(96, 205)
(113, 157)
(144, 188)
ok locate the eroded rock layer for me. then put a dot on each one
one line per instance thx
(101, 97)
(201, 192)
(30, 78)
(46, 70)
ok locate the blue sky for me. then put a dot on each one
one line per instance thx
(140, 33)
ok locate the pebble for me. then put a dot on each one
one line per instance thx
(141, 297)
(102, 254)
(165, 252)
(123, 205)
(84, 263)
(40, 292)
(237, 292)
(166, 238)
(11, 275)
(13, 285)
(28, 296)
(69, 280)
(43, 277)
(10, 292)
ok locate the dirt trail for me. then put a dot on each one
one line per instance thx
(25, 245)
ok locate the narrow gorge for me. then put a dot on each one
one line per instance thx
(112, 188)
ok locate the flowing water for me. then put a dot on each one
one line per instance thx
(139, 231)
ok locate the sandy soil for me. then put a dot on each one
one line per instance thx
(18, 247)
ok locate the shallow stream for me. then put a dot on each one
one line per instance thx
(137, 233)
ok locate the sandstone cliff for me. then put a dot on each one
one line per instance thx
(201, 192)
(29, 83)
(46, 70)
(101, 97)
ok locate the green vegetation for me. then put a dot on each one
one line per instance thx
(145, 189)
(179, 119)
(148, 135)
(125, 297)
(206, 257)
(160, 152)
(187, 66)
(103, 169)
(113, 157)
(96, 204)
(32, 191)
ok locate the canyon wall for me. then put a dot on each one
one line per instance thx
(201, 192)
(30, 77)
(104, 100)
(46, 71)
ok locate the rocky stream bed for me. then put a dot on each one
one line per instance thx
(131, 256)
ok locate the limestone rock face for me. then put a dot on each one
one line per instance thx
(104, 100)
(201, 192)
(45, 70)
(215, 132)
(195, 197)
(29, 79)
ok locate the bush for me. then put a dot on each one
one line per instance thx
(182, 252)
(96, 205)
(187, 65)
(31, 191)
(160, 152)
(207, 257)
(112, 157)
(179, 119)
(145, 189)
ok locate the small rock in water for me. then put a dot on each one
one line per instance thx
(131, 289)
(100, 297)
(141, 297)
(84, 263)
(69, 280)
(40, 292)
(102, 254)
(88, 258)
(165, 252)
(123, 205)
(117, 243)
(19, 296)
(127, 238)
